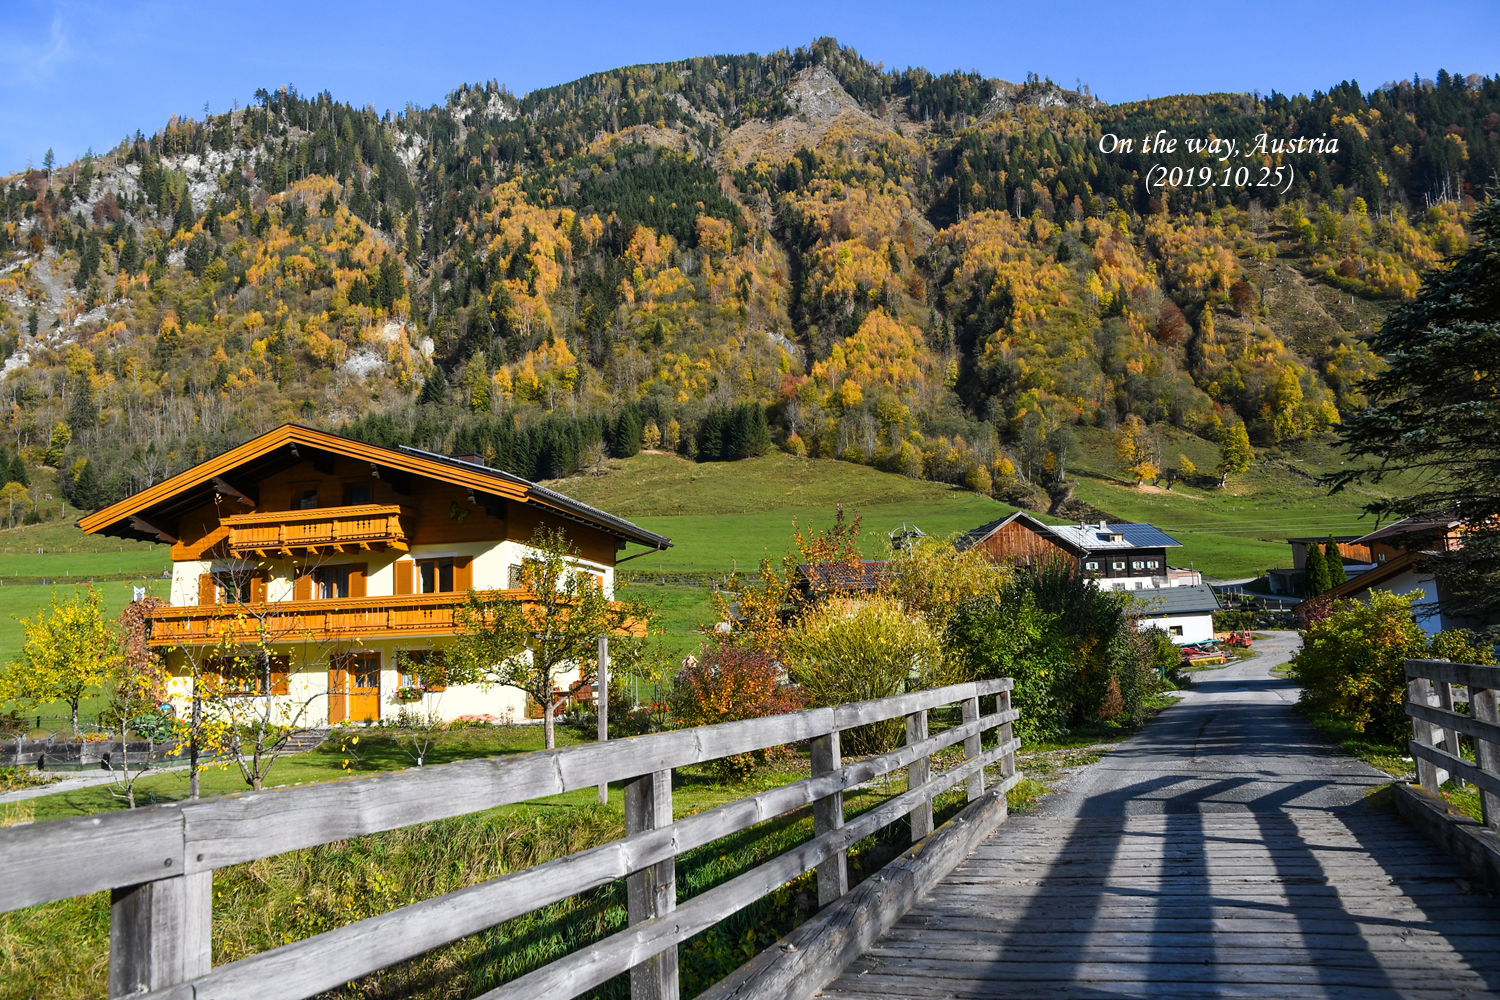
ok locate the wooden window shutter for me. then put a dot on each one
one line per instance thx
(280, 669)
(357, 579)
(302, 590)
(258, 588)
(463, 574)
(207, 591)
(404, 569)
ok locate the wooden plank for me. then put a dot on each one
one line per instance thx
(159, 933)
(917, 774)
(583, 970)
(819, 949)
(1469, 725)
(1470, 675)
(1486, 707)
(1455, 765)
(828, 814)
(1418, 693)
(253, 825)
(973, 747)
(42, 862)
(652, 892)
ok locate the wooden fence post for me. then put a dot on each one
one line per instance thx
(917, 774)
(159, 933)
(1421, 732)
(652, 891)
(973, 748)
(601, 706)
(1482, 703)
(1450, 736)
(828, 814)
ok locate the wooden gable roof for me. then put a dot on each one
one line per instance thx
(152, 513)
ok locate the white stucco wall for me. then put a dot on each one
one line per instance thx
(1426, 608)
(1195, 628)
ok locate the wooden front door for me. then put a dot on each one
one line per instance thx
(354, 688)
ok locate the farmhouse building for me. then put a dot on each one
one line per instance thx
(339, 555)
(1399, 568)
(1115, 556)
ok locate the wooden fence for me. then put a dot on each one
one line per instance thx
(158, 863)
(1434, 689)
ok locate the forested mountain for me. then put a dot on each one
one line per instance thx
(935, 274)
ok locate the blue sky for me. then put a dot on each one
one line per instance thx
(76, 74)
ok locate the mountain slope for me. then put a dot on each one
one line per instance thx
(937, 275)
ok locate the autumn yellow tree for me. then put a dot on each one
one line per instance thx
(1136, 449)
(69, 651)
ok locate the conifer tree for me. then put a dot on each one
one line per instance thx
(1334, 560)
(1434, 416)
(1315, 572)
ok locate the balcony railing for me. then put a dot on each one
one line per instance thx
(277, 533)
(309, 621)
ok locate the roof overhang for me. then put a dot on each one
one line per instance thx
(229, 479)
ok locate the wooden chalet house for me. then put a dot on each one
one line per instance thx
(340, 554)
(1115, 556)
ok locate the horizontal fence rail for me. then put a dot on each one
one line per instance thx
(1433, 690)
(158, 862)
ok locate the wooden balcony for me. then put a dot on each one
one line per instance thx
(280, 533)
(336, 620)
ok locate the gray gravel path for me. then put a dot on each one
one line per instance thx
(1225, 851)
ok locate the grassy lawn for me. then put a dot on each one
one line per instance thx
(732, 514)
(58, 550)
(1235, 532)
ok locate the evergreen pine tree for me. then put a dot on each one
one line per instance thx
(760, 432)
(711, 436)
(1333, 559)
(184, 218)
(1315, 573)
(86, 488)
(625, 442)
(18, 473)
(434, 388)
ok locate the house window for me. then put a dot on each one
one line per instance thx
(232, 588)
(1139, 585)
(1137, 564)
(305, 500)
(1120, 564)
(1175, 629)
(365, 670)
(421, 668)
(1093, 566)
(435, 575)
(332, 582)
(246, 676)
(358, 493)
(1118, 586)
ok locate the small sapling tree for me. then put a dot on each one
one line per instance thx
(528, 643)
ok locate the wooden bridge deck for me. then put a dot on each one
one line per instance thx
(1223, 853)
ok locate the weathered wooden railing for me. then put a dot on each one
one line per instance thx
(1433, 688)
(158, 863)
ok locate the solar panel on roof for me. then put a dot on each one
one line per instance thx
(1144, 535)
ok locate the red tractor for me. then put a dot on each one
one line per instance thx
(1240, 638)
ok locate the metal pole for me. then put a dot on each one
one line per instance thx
(601, 705)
